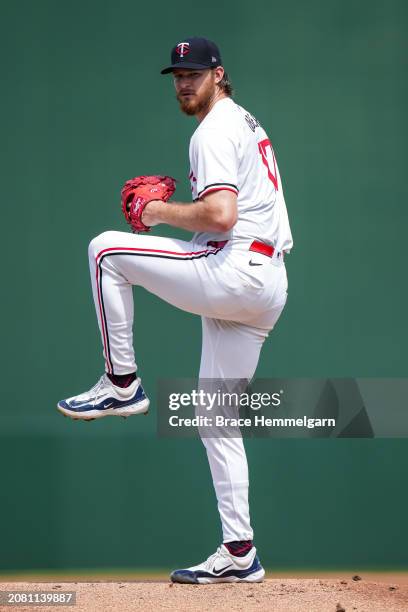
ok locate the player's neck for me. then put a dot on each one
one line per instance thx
(219, 95)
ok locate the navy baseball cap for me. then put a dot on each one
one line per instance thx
(194, 53)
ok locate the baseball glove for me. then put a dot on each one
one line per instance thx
(138, 191)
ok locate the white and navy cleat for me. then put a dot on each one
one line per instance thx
(106, 399)
(222, 566)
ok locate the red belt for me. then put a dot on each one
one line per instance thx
(218, 244)
(261, 247)
(256, 246)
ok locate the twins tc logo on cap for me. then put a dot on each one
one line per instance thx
(183, 49)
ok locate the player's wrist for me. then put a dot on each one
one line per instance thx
(151, 213)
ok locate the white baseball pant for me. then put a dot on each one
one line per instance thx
(239, 304)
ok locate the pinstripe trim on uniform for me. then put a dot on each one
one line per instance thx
(218, 187)
(138, 252)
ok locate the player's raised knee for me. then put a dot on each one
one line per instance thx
(103, 241)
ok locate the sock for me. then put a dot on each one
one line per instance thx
(239, 548)
(122, 380)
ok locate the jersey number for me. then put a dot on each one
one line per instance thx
(268, 158)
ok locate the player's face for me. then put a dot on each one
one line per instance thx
(194, 89)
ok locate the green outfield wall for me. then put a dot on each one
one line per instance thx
(84, 107)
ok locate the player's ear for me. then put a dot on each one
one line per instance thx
(218, 73)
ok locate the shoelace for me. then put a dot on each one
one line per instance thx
(210, 561)
(95, 390)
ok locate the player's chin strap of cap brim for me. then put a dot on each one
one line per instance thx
(256, 246)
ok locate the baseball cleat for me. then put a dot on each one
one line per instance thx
(106, 399)
(222, 567)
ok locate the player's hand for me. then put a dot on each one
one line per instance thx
(151, 211)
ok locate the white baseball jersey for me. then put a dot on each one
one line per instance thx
(230, 150)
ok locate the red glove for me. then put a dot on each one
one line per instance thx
(138, 191)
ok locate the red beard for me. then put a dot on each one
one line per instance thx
(196, 103)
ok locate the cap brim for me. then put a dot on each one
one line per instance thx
(187, 65)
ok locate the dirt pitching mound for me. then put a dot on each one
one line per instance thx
(279, 595)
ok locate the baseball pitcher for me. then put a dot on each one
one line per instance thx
(232, 273)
